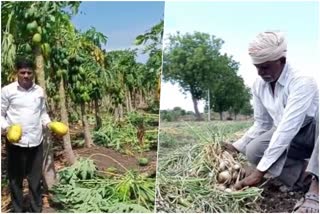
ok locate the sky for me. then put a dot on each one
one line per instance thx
(121, 22)
(237, 23)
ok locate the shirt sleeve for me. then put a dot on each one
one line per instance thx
(262, 122)
(301, 96)
(4, 108)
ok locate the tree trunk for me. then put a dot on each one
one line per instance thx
(140, 135)
(196, 110)
(130, 101)
(141, 100)
(49, 172)
(69, 154)
(134, 98)
(221, 115)
(40, 75)
(87, 137)
(120, 111)
(97, 114)
(51, 107)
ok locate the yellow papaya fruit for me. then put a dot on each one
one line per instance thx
(14, 133)
(58, 128)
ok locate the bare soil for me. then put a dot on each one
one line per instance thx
(105, 158)
(277, 199)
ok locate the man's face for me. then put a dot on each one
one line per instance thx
(25, 77)
(270, 71)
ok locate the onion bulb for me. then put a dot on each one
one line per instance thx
(224, 177)
(222, 166)
(236, 167)
(221, 187)
(228, 190)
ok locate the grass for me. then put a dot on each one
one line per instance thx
(187, 168)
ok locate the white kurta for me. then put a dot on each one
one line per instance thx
(27, 108)
(295, 97)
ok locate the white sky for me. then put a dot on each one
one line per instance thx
(237, 23)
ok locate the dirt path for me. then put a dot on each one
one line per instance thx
(105, 158)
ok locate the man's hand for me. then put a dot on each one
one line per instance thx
(252, 180)
(54, 135)
(229, 148)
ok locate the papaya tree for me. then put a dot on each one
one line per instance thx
(86, 75)
(152, 41)
(99, 86)
(122, 65)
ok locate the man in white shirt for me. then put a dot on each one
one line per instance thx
(23, 102)
(285, 109)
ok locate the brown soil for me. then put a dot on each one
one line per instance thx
(105, 158)
(277, 199)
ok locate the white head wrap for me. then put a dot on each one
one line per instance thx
(268, 46)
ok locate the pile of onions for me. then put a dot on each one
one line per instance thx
(229, 172)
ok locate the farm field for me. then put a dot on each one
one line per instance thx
(105, 88)
(187, 174)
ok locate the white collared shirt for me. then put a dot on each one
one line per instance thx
(27, 108)
(295, 97)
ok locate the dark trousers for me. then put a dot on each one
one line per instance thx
(25, 162)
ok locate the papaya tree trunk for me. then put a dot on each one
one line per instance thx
(141, 100)
(69, 154)
(97, 114)
(87, 136)
(128, 102)
(40, 75)
(120, 111)
(51, 105)
(49, 172)
(134, 101)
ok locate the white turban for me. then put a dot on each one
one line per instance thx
(268, 46)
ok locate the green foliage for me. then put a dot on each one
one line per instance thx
(83, 169)
(87, 192)
(115, 135)
(229, 93)
(153, 45)
(120, 134)
(28, 25)
(167, 140)
(174, 114)
(192, 60)
(74, 117)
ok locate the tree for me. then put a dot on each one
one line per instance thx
(152, 40)
(193, 61)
